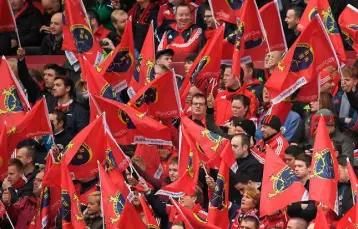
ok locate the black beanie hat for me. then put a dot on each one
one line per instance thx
(272, 121)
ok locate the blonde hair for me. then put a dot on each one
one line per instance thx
(96, 195)
(254, 193)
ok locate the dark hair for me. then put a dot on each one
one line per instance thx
(30, 152)
(174, 160)
(298, 11)
(243, 99)
(252, 219)
(36, 75)
(227, 66)
(182, 4)
(325, 101)
(68, 82)
(198, 96)
(59, 70)
(245, 139)
(199, 195)
(240, 178)
(17, 163)
(293, 150)
(307, 159)
(60, 116)
(342, 160)
(205, 6)
(250, 65)
(93, 15)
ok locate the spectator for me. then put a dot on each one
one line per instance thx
(189, 60)
(183, 36)
(304, 209)
(142, 13)
(103, 8)
(97, 28)
(198, 109)
(27, 155)
(52, 43)
(270, 128)
(28, 20)
(297, 223)
(293, 16)
(50, 8)
(15, 185)
(92, 215)
(160, 69)
(253, 85)
(327, 79)
(22, 212)
(77, 117)
(119, 19)
(291, 153)
(271, 62)
(58, 123)
(344, 187)
(250, 222)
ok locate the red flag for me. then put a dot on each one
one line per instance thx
(7, 20)
(348, 23)
(13, 102)
(352, 179)
(210, 145)
(323, 9)
(226, 10)
(113, 197)
(88, 146)
(130, 126)
(52, 172)
(150, 157)
(206, 65)
(280, 110)
(280, 186)
(5, 155)
(271, 20)
(349, 220)
(191, 219)
(251, 42)
(118, 67)
(321, 221)
(324, 171)
(144, 70)
(2, 209)
(115, 155)
(228, 157)
(81, 31)
(301, 65)
(35, 123)
(148, 214)
(159, 98)
(219, 205)
(72, 217)
(188, 170)
(130, 218)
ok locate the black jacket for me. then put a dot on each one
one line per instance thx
(16, 194)
(308, 214)
(353, 99)
(32, 88)
(77, 118)
(345, 198)
(29, 23)
(50, 46)
(62, 139)
(5, 43)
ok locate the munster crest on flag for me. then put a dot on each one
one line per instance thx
(349, 25)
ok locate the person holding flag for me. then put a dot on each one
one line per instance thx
(345, 186)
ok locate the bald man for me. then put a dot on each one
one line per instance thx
(297, 223)
(50, 8)
(119, 19)
(52, 43)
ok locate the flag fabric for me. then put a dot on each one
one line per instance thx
(115, 156)
(349, 220)
(150, 157)
(88, 146)
(5, 155)
(226, 10)
(118, 66)
(72, 217)
(13, 102)
(352, 179)
(2, 209)
(188, 173)
(348, 24)
(150, 220)
(271, 20)
(206, 65)
(323, 9)
(52, 172)
(300, 67)
(281, 110)
(7, 20)
(130, 218)
(191, 219)
(81, 32)
(280, 186)
(251, 42)
(159, 98)
(324, 171)
(227, 155)
(35, 123)
(130, 126)
(113, 198)
(321, 220)
(219, 204)
(144, 70)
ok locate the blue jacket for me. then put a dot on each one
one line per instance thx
(289, 128)
(353, 124)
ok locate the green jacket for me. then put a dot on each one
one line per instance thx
(104, 11)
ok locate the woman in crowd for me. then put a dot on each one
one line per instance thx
(93, 214)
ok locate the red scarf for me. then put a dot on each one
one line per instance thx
(64, 107)
(19, 183)
(22, 10)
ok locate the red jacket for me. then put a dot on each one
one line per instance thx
(175, 217)
(277, 143)
(22, 212)
(184, 40)
(222, 105)
(277, 220)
